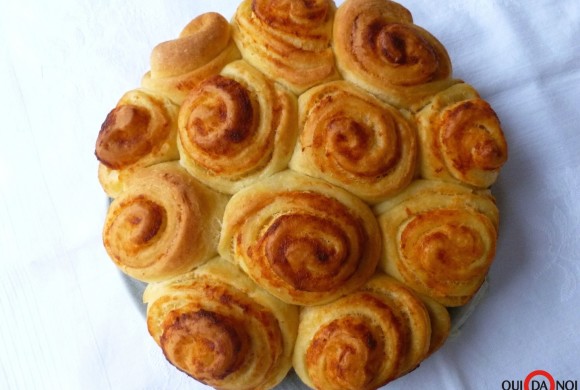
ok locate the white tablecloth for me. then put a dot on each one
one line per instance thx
(67, 320)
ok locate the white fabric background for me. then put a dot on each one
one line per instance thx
(66, 318)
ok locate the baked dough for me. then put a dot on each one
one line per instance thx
(219, 327)
(379, 48)
(365, 339)
(461, 138)
(163, 224)
(302, 239)
(236, 128)
(355, 141)
(338, 169)
(440, 239)
(287, 40)
(140, 131)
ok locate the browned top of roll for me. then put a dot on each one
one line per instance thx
(363, 340)
(302, 239)
(355, 141)
(140, 129)
(200, 41)
(164, 223)
(470, 135)
(378, 47)
(214, 342)
(440, 239)
(128, 134)
(288, 16)
(222, 122)
(461, 138)
(287, 40)
(352, 348)
(309, 252)
(119, 141)
(378, 38)
(222, 329)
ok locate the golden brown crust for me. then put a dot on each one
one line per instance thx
(164, 223)
(363, 340)
(287, 40)
(203, 39)
(236, 128)
(140, 131)
(118, 143)
(302, 239)
(461, 138)
(203, 48)
(308, 115)
(440, 239)
(355, 141)
(378, 47)
(219, 327)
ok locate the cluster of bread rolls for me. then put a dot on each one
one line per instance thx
(305, 186)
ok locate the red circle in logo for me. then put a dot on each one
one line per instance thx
(543, 373)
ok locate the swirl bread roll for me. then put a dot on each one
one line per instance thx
(219, 327)
(236, 128)
(288, 40)
(302, 239)
(378, 47)
(365, 339)
(202, 49)
(354, 141)
(140, 131)
(163, 224)
(440, 239)
(461, 138)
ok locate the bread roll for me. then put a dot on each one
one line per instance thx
(354, 141)
(163, 224)
(219, 327)
(378, 47)
(287, 40)
(202, 49)
(363, 340)
(236, 128)
(305, 241)
(461, 138)
(440, 239)
(140, 131)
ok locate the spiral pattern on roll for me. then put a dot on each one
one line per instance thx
(440, 239)
(378, 47)
(287, 15)
(461, 138)
(287, 40)
(354, 141)
(363, 340)
(236, 128)
(218, 327)
(140, 131)
(303, 240)
(221, 122)
(163, 224)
